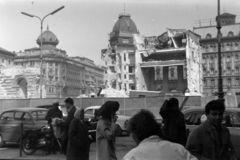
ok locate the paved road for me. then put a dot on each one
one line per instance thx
(11, 151)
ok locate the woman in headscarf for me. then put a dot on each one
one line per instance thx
(78, 144)
(105, 134)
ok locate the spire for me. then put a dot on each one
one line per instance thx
(47, 27)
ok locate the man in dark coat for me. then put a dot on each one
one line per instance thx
(211, 139)
(78, 140)
(54, 112)
(174, 129)
(69, 103)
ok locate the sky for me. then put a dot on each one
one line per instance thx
(82, 27)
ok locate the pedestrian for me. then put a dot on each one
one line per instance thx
(105, 134)
(54, 112)
(78, 143)
(211, 139)
(146, 132)
(69, 103)
(174, 128)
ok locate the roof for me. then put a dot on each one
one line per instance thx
(4, 51)
(48, 37)
(125, 24)
(227, 15)
(230, 109)
(93, 107)
(27, 109)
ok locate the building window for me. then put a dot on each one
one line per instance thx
(2, 60)
(44, 71)
(204, 71)
(211, 60)
(203, 60)
(236, 70)
(208, 36)
(236, 58)
(228, 58)
(229, 82)
(212, 82)
(125, 77)
(50, 64)
(230, 34)
(130, 69)
(228, 70)
(124, 56)
(237, 81)
(205, 82)
(211, 71)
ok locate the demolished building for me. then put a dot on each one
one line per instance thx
(170, 63)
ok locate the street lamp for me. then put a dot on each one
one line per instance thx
(41, 59)
(220, 84)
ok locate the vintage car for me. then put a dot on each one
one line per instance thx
(120, 123)
(195, 116)
(10, 121)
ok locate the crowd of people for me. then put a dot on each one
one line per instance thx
(154, 141)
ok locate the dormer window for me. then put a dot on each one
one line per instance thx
(208, 36)
(230, 34)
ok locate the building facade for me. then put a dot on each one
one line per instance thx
(230, 53)
(120, 56)
(63, 75)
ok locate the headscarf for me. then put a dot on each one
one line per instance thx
(78, 113)
(107, 109)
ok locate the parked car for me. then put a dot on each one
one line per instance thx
(121, 122)
(10, 121)
(196, 116)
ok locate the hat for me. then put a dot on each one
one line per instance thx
(108, 108)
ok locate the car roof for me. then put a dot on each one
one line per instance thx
(26, 109)
(230, 109)
(93, 107)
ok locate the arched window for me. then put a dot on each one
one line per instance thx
(204, 82)
(211, 71)
(208, 36)
(229, 82)
(212, 82)
(230, 34)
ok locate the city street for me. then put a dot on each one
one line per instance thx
(11, 151)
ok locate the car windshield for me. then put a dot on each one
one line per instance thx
(39, 115)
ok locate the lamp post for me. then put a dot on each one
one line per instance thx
(220, 84)
(41, 58)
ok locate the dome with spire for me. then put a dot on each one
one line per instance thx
(49, 40)
(125, 24)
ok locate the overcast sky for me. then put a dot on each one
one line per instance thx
(82, 27)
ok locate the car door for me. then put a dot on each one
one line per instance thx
(232, 121)
(22, 118)
(7, 126)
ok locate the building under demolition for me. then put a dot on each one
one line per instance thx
(170, 63)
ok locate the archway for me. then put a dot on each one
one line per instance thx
(22, 83)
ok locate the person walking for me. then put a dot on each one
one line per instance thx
(211, 140)
(146, 132)
(78, 141)
(174, 128)
(69, 103)
(105, 134)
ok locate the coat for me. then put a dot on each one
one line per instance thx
(78, 141)
(53, 113)
(70, 116)
(203, 142)
(105, 140)
(154, 148)
(174, 128)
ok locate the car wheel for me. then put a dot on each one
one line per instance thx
(2, 143)
(118, 130)
(26, 148)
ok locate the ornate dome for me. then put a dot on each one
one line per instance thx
(48, 39)
(125, 24)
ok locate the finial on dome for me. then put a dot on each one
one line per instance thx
(47, 27)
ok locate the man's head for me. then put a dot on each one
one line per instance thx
(143, 125)
(214, 111)
(173, 104)
(55, 104)
(69, 102)
(79, 113)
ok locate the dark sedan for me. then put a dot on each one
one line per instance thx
(10, 121)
